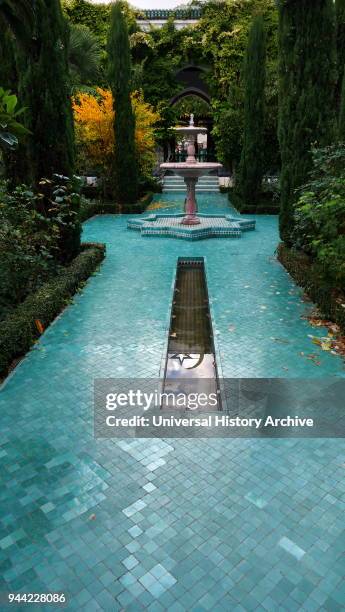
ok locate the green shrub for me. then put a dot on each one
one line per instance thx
(320, 214)
(267, 204)
(310, 276)
(149, 184)
(19, 331)
(62, 203)
(28, 243)
(39, 231)
(89, 208)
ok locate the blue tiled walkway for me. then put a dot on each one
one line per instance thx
(179, 524)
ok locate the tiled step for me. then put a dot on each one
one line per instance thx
(178, 181)
(208, 177)
(183, 189)
(177, 184)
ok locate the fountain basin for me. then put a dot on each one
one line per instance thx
(209, 226)
(192, 169)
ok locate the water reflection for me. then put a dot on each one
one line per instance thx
(190, 365)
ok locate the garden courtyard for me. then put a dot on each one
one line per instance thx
(172, 212)
(170, 524)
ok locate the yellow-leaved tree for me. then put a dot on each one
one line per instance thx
(94, 125)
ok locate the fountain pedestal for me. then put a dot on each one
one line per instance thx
(191, 207)
(191, 170)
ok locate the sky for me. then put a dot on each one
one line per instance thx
(149, 4)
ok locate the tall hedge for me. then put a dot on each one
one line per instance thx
(308, 79)
(340, 14)
(45, 90)
(342, 112)
(251, 165)
(125, 161)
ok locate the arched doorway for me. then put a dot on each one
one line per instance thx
(191, 78)
(193, 97)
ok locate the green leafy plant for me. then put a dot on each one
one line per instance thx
(39, 232)
(84, 56)
(28, 243)
(320, 214)
(10, 129)
(61, 200)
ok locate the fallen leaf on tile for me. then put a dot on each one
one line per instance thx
(39, 326)
(314, 359)
(326, 344)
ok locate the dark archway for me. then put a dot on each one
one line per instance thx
(190, 77)
(191, 80)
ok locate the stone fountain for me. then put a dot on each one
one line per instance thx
(189, 224)
(191, 170)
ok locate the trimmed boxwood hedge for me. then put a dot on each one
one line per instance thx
(18, 332)
(266, 206)
(330, 300)
(89, 209)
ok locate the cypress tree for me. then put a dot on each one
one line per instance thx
(125, 162)
(44, 89)
(342, 113)
(308, 78)
(251, 165)
(340, 14)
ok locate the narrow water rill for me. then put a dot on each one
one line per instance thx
(191, 363)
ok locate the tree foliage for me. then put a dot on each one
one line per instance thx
(250, 176)
(84, 56)
(45, 90)
(96, 17)
(217, 43)
(223, 33)
(340, 16)
(19, 17)
(320, 214)
(119, 73)
(94, 117)
(308, 79)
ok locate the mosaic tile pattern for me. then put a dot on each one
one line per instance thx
(177, 524)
